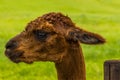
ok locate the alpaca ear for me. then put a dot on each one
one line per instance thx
(85, 36)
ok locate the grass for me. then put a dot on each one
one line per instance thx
(100, 16)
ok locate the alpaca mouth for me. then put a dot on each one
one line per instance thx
(15, 60)
(14, 55)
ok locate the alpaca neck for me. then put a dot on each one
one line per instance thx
(72, 67)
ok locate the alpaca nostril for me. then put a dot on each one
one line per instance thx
(7, 52)
(14, 55)
(11, 45)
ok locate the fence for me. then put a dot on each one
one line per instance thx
(112, 70)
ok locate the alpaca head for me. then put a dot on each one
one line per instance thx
(47, 39)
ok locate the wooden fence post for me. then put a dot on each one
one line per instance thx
(112, 70)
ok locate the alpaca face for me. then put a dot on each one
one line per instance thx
(47, 39)
(36, 44)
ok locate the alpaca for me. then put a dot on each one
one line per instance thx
(53, 37)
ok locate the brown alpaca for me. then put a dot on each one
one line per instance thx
(53, 37)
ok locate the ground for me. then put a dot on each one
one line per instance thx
(100, 16)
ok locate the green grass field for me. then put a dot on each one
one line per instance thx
(100, 16)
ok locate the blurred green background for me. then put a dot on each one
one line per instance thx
(100, 16)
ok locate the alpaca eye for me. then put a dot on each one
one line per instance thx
(40, 35)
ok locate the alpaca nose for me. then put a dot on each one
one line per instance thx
(13, 55)
(11, 44)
